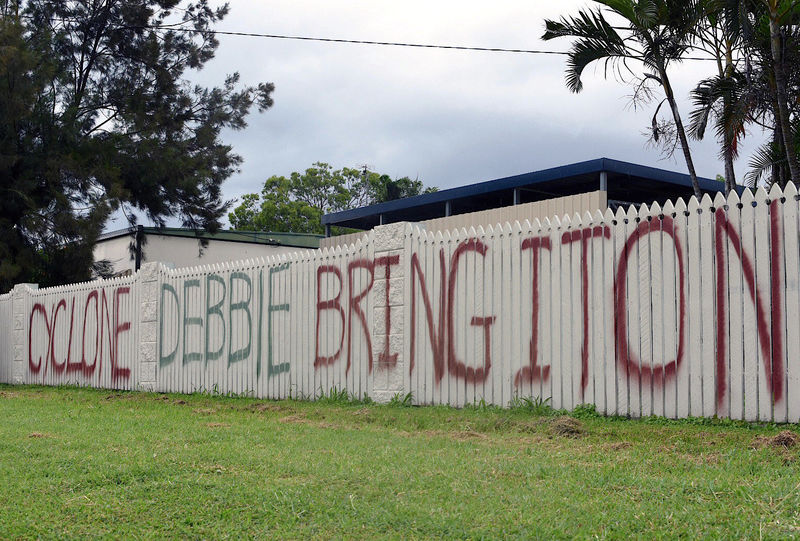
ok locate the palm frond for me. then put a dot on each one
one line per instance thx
(765, 158)
(597, 40)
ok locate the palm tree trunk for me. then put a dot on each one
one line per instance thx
(783, 109)
(728, 139)
(777, 139)
(730, 174)
(687, 154)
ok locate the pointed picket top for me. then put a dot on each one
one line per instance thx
(411, 229)
(489, 232)
(705, 202)
(747, 198)
(680, 206)
(437, 237)
(719, 200)
(644, 212)
(631, 214)
(588, 218)
(575, 221)
(790, 190)
(507, 228)
(447, 236)
(733, 199)
(537, 225)
(775, 193)
(761, 196)
(357, 245)
(479, 232)
(669, 209)
(655, 210)
(608, 216)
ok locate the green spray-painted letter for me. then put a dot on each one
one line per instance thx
(188, 321)
(243, 353)
(165, 360)
(272, 368)
(215, 310)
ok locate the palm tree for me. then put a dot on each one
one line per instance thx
(778, 12)
(724, 97)
(656, 33)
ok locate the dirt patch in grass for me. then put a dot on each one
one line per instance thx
(785, 439)
(466, 435)
(39, 435)
(9, 394)
(218, 425)
(618, 445)
(703, 459)
(295, 419)
(266, 406)
(531, 427)
(567, 427)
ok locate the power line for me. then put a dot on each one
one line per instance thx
(369, 42)
(173, 28)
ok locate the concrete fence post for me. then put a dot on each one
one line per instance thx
(388, 312)
(19, 308)
(147, 280)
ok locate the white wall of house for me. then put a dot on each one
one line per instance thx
(182, 251)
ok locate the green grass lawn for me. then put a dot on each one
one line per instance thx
(80, 463)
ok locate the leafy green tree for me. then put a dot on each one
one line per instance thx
(98, 116)
(297, 204)
(655, 33)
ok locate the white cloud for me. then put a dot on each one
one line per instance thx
(448, 117)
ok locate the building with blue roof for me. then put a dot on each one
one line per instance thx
(621, 183)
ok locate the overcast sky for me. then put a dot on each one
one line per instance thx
(447, 117)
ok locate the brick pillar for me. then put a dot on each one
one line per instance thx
(147, 281)
(388, 312)
(19, 309)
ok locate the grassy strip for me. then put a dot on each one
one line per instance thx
(80, 462)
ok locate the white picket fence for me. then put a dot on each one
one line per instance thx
(686, 310)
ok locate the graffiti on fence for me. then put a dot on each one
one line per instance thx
(100, 330)
(441, 332)
(239, 318)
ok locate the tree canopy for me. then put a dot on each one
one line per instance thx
(754, 80)
(296, 204)
(99, 116)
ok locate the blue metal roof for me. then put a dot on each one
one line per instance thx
(567, 177)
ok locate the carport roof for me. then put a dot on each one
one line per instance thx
(626, 183)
